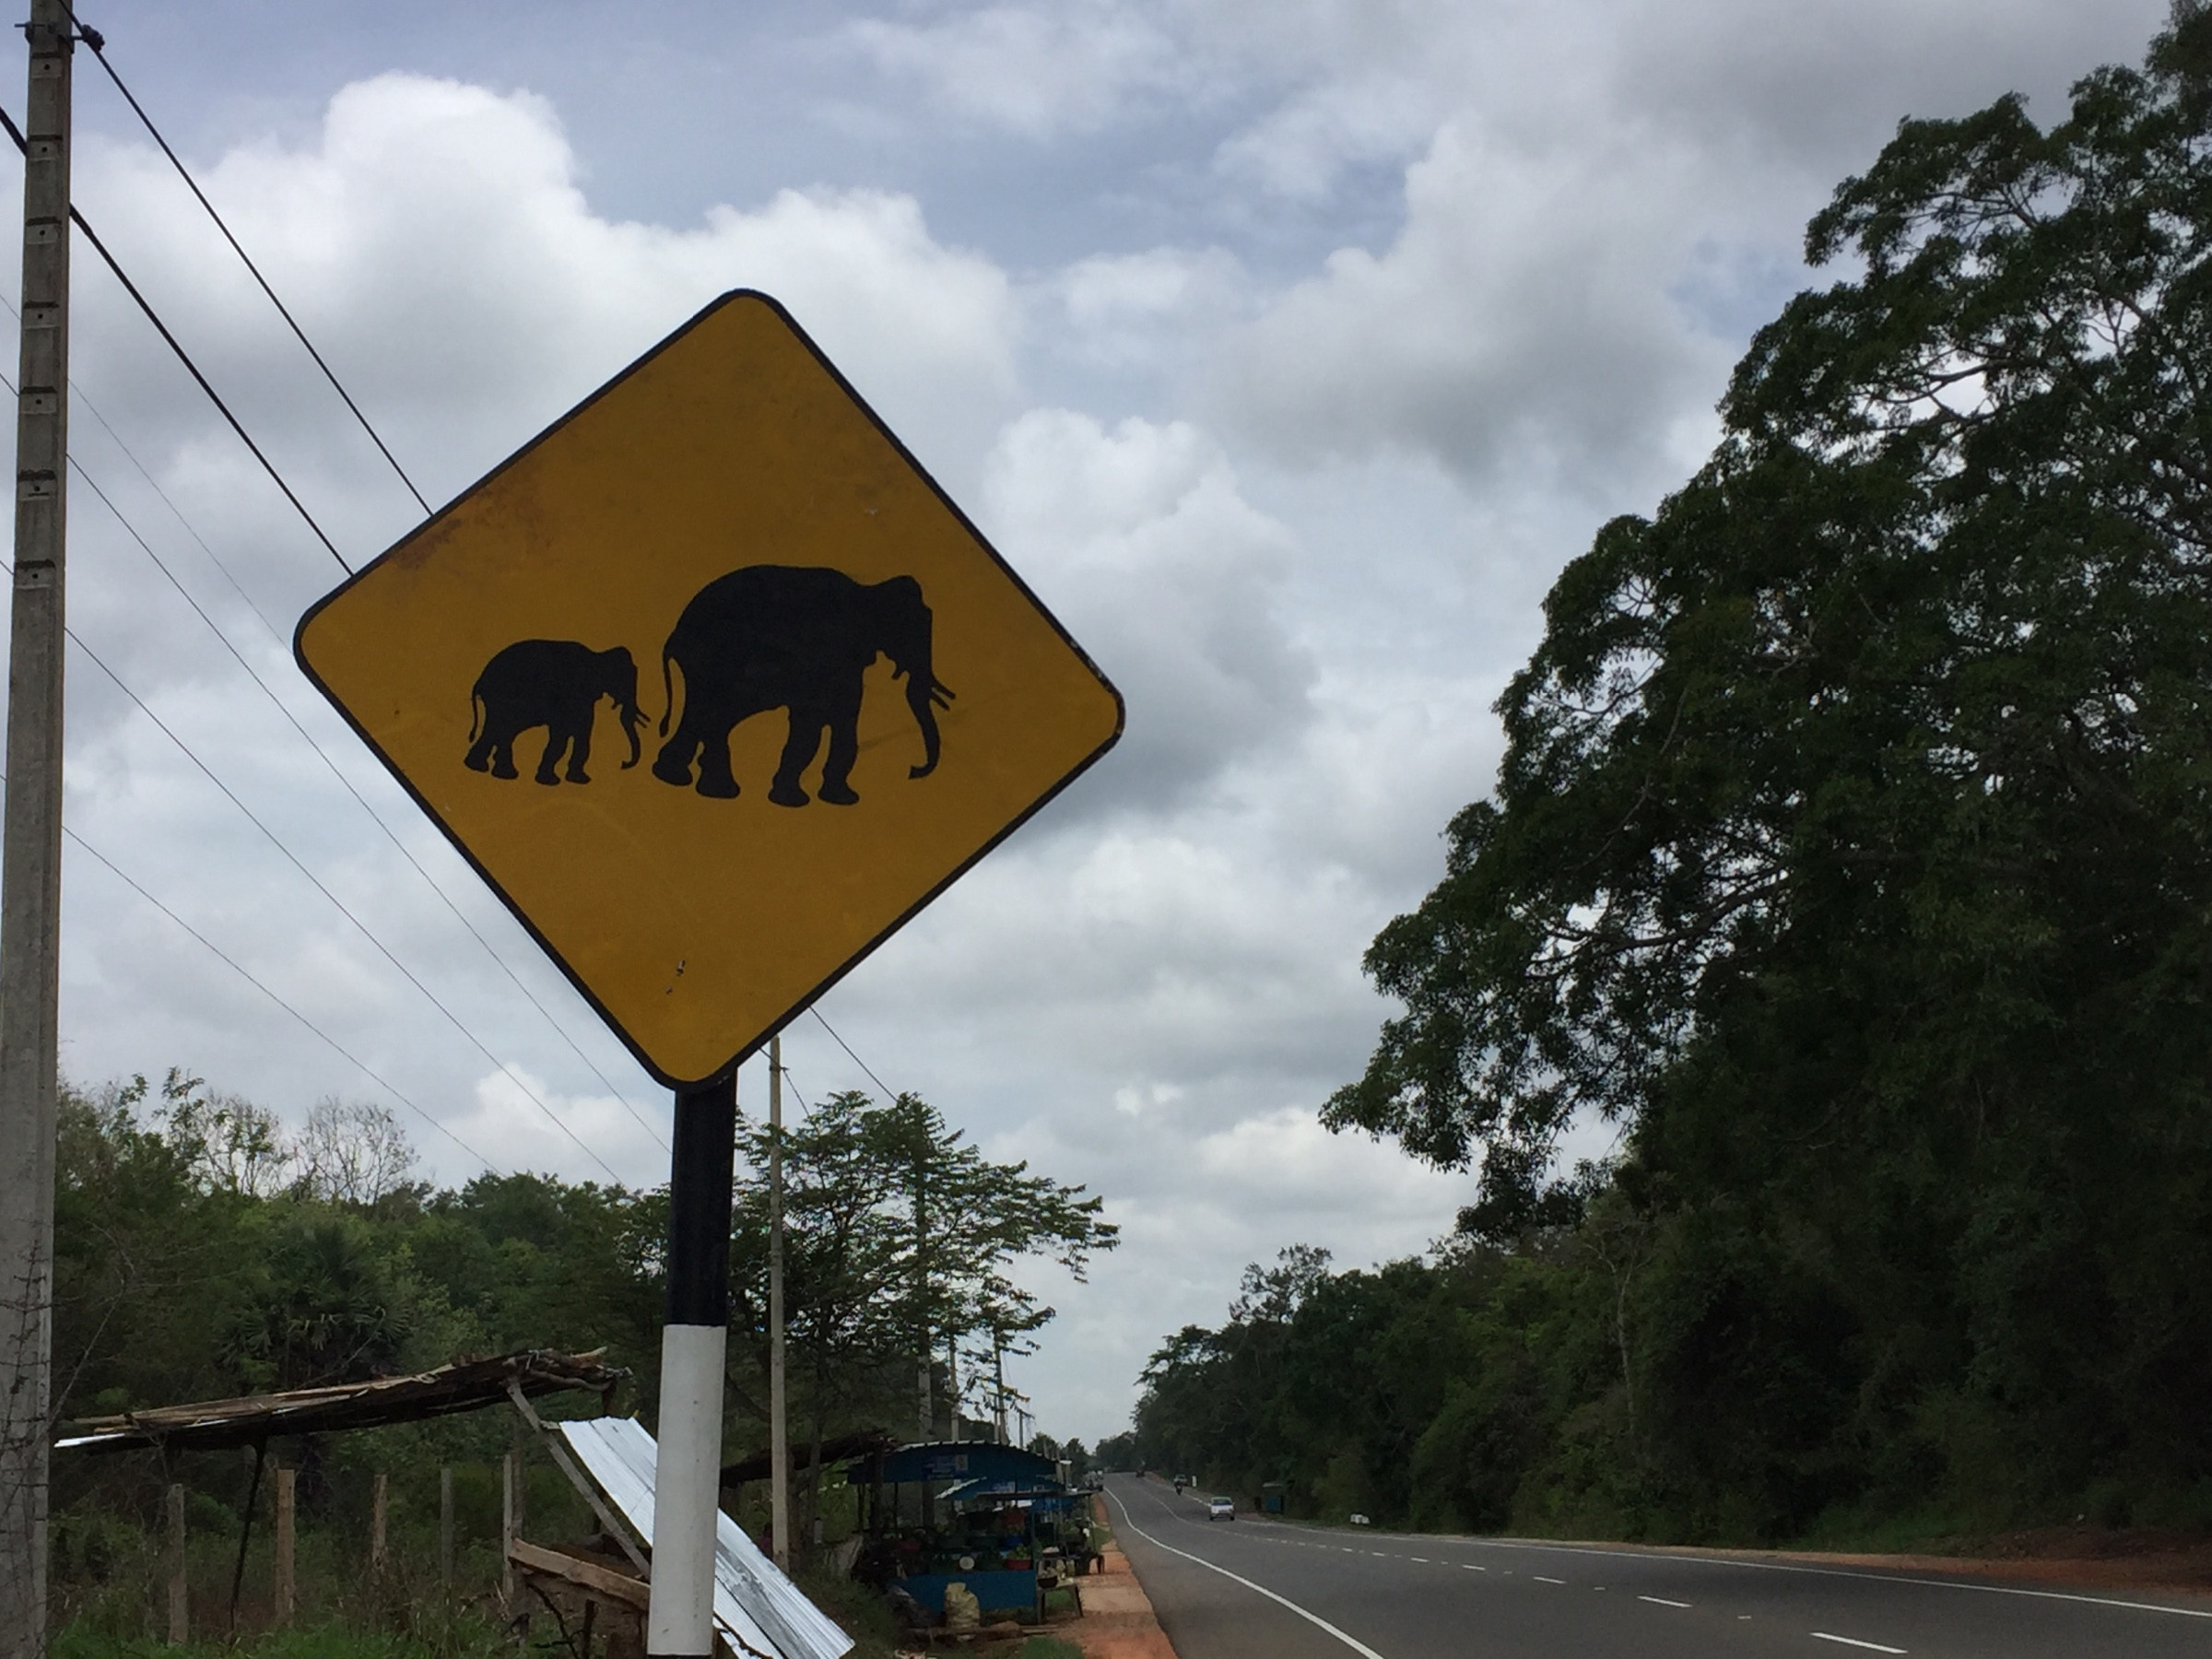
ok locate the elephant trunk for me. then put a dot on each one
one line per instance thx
(923, 696)
(621, 684)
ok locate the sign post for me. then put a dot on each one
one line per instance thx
(687, 1468)
(725, 553)
(778, 1428)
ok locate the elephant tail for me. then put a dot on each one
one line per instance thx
(667, 695)
(476, 711)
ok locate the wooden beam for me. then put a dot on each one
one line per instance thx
(583, 1575)
(608, 1522)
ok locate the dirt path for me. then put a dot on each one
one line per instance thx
(1117, 1621)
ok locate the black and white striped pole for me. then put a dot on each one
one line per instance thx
(687, 1471)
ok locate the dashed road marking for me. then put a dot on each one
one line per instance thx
(1879, 1647)
(1661, 1601)
(1541, 1580)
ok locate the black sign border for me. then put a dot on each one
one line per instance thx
(753, 1044)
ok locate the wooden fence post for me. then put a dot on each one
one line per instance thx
(286, 1596)
(509, 1521)
(378, 1487)
(180, 1609)
(445, 1525)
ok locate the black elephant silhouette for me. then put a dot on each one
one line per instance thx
(556, 684)
(798, 637)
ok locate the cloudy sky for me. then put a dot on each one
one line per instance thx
(1288, 350)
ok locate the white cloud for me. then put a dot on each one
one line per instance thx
(1038, 71)
(1144, 312)
(434, 240)
(521, 1121)
(1522, 320)
(1140, 536)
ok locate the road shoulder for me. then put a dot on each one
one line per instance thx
(1118, 1621)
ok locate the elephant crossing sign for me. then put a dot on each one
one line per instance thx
(712, 685)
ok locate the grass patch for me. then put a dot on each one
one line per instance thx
(321, 1641)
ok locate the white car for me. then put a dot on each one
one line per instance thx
(1221, 1509)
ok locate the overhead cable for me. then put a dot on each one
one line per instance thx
(346, 783)
(841, 1043)
(233, 964)
(16, 133)
(294, 859)
(320, 753)
(132, 530)
(94, 39)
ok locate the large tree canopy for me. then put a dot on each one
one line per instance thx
(1869, 776)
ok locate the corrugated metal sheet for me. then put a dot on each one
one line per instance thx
(755, 1605)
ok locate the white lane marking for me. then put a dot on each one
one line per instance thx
(1353, 1643)
(1471, 1568)
(1661, 1601)
(1541, 1580)
(1422, 1560)
(1854, 1641)
(1842, 1572)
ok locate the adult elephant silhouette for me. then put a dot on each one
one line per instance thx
(799, 638)
(556, 684)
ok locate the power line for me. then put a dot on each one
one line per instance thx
(78, 396)
(323, 754)
(101, 663)
(293, 859)
(15, 134)
(93, 39)
(236, 967)
(184, 357)
(346, 783)
(232, 963)
(888, 1089)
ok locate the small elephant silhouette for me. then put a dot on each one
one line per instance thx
(798, 637)
(556, 684)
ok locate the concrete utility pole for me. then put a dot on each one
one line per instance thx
(30, 845)
(679, 1620)
(779, 1432)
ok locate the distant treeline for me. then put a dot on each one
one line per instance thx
(203, 1250)
(1851, 856)
(1705, 1376)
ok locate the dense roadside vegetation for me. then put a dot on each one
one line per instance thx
(1852, 859)
(203, 1251)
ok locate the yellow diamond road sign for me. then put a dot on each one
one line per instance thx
(712, 685)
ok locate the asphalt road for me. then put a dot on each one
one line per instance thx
(1254, 1589)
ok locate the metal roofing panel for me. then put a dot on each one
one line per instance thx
(754, 1604)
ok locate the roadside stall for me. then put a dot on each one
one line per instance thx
(994, 1519)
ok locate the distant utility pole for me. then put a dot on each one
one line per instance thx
(779, 1433)
(30, 845)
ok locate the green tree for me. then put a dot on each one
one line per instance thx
(969, 1220)
(1852, 850)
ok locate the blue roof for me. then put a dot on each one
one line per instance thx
(967, 1460)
